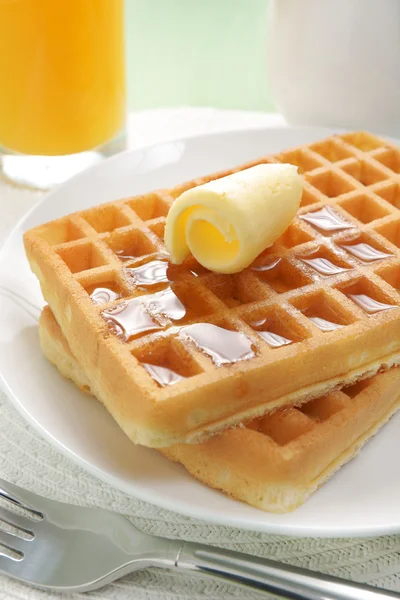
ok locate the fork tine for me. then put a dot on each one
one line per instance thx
(15, 543)
(20, 497)
(15, 520)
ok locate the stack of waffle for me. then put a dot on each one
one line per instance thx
(263, 383)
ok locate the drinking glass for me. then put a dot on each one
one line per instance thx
(62, 87)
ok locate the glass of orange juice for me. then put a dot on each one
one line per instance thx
(62, 87)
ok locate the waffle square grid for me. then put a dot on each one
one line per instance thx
(329, 284)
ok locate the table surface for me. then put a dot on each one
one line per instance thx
(29, 461)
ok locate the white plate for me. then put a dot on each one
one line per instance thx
(362, 499)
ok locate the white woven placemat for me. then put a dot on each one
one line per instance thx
(29, 461)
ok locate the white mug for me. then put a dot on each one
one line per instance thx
(336, 62)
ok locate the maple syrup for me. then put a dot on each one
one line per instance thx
(267, 267)
(273, 339)
(104, 293)
(324, 324)
(224, 346)
(327, 219)
(323, 266)
(149, 274)
(281, 276)
(368, 304)
(130, 319)
(365, 253)
(271, 273)
(162, 375)
(165, 303)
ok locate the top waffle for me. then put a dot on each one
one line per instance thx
(176, 353)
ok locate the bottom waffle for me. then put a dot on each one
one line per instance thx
(275, 462)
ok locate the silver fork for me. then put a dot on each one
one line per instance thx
(66, 548)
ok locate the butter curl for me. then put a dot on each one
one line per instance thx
(226, 223)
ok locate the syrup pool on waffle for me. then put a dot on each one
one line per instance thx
(149, 274)
(273, 339)
(159, 272)
(130, 319)
(162, 375)
(165, 303)
(327, 220)
(324, 267)
(222, 345)
(134, 317)
(323, 316)
(127, 254)
(272, 275)
(324, 324)
(370, 305)
(365, 253)
(140, 315)
(267, 267)
(104, 293)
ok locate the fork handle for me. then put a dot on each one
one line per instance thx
(278, 579)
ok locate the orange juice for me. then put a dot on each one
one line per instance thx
(62, 79)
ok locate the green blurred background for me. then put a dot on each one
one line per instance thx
(197, 53)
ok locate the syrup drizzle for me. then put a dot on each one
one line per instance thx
(267, 267)
(222, 345)
(129, 319)
(323, 266)
(280, 276)
(149, 274)
(103, 295)
(128, 254)
(162, 375)
(272, 275)
(368, 304)
(366, 253)
(327, 219)
(165, 302)
(273, 339)
(324, 324)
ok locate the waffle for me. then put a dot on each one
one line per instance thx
(279, 460)
(178, 353)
